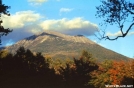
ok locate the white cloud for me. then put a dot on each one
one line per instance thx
(118, 34)
(20, 19)
(70, 26)
(37, 2)
(131, 33)
(65, 10)
(27, 23)
(114, 34)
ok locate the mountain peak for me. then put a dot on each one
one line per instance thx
(42, 36)
(58, 45)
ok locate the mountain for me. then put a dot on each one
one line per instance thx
(57, 45)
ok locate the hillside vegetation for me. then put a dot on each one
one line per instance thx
(27, 70)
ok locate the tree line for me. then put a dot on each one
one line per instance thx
(27, 70)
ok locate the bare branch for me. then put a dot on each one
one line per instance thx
(116, 12)
(123, 34)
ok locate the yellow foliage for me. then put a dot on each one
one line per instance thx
(3, 53)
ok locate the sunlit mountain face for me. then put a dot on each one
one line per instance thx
(58, 45)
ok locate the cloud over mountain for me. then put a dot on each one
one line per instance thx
(26, 23)
(70, 26)
(29, 21)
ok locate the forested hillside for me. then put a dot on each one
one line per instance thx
(27, 70)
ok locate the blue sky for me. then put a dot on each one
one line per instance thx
(66, 16)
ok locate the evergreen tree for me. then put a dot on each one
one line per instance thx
(3, 10)
(77, 75)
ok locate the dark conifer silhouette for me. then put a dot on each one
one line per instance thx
(3, 10)
(26, 70)
(78, 74)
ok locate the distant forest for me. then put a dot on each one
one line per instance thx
(27, 70)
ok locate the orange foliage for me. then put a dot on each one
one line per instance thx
(113, 72)
(119, 70)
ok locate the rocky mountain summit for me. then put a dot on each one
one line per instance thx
(50, 35)
(58, 45)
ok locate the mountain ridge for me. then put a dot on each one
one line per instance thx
(59, 45)
(67, 37)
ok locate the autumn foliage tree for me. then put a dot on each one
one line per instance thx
(113, 73)
(121, 71)
(117, 72)
(100, 77)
